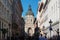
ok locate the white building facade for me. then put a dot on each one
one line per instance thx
(50, 12)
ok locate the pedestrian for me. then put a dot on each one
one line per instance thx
(30, 34)
(58, 37)
(8, 38)
(36, 34)
(36, 30)
(42, 38)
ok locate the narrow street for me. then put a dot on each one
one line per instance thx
(29, 19)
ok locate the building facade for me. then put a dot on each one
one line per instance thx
(5, 17)
(50, 11)
(10, 18)
(17, 20)
(29, 19)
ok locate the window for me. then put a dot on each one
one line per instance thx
(7, 14)
(11, 1)
(31, 20)
(2, 8)
(2, 24)
(4, 1)
(0, 4)
(7, 11)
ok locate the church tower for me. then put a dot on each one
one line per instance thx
(29, 19)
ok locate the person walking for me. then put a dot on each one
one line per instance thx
(36, 30)
(30, 37)
(42, 38)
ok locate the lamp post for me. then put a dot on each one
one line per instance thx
(58, 32)
(50, 28)
(43, 29)
(58, 38)
(9, 31)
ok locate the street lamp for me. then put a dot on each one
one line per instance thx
(50, 28)
(43, 28)
(58, 32)
(9, 31)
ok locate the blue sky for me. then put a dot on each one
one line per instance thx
(26, 3)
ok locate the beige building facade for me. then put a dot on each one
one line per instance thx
(29, 19)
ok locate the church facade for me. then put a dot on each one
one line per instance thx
(29, 19)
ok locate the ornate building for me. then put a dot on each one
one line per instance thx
(5, 18)
(29, 19)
